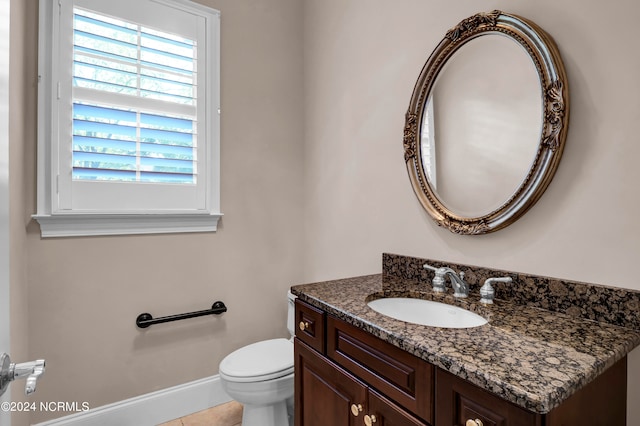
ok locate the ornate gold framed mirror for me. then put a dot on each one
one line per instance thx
(486, 123)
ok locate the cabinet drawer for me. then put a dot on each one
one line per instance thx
(458, 401)
(402, 377)
(310, 325)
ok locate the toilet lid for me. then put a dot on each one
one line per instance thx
(259, 361)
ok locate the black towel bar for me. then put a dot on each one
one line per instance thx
(145, 320)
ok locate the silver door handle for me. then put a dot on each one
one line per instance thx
(9, 372)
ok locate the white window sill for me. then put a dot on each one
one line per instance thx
(82, 225)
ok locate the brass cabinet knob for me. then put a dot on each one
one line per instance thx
(370, 419)
(356, 409)
(476, 422)
(303, 325)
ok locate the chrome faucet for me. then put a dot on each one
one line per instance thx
(460, 287)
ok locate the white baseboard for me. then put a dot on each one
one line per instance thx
(153, 408)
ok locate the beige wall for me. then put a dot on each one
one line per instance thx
(84, 294)
(319, 157)
(22, 103)
(362, 58)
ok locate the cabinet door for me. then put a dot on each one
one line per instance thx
(389, 414)
(458, 401)
(324, 393)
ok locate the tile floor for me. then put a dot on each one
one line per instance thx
(229, 414)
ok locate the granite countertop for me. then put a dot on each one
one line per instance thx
(530, 356)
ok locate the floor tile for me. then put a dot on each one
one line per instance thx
(229, 414)
(176, 422)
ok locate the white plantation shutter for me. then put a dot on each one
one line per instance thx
(133, 87)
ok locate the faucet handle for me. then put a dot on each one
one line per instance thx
(487, 293)
(438, 281)
(427, 266)
(35, 369)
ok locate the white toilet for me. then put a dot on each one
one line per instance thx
(260, 376)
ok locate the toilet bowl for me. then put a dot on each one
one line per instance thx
(260, 376)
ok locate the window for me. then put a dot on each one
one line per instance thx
(128, 117)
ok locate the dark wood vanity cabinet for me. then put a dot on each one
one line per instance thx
(345, 376)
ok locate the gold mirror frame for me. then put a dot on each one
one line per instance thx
(555, 115)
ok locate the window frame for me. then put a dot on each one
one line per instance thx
(57, 222)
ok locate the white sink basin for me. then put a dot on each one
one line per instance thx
(426, 312)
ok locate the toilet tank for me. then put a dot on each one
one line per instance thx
(291, 314)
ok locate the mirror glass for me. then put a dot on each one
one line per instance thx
(482, 125)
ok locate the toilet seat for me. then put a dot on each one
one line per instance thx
(260, 361)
